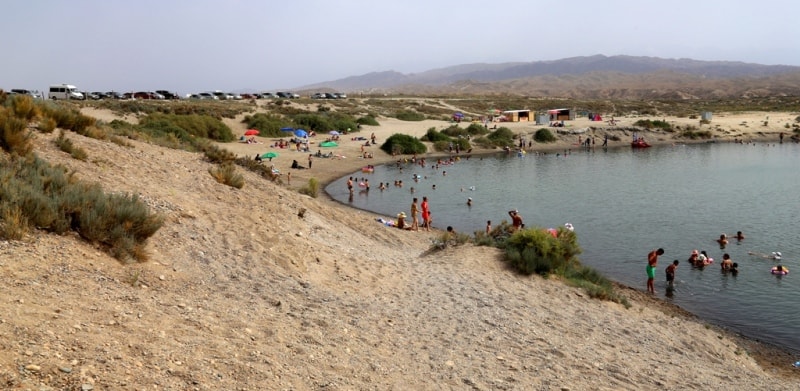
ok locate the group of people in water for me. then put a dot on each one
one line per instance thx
(701, 259)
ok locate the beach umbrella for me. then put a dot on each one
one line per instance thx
(251, 132)
(300, 133)
(333, 133)
(269, 155)
(287, 129)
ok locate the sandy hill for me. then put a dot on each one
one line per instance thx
(243, 293)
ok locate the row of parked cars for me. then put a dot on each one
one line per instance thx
(65, 91)
(220, 95)
(329, 95)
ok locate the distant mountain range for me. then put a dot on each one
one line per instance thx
(594, 77)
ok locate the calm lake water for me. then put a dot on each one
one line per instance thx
(624, 203)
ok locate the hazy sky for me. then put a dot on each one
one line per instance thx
(199, 45)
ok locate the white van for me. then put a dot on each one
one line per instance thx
(65, 91)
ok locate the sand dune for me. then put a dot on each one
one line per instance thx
(242, 293)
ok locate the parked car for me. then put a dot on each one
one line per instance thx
(168, 94)
(206, 96)
(222, 95)
(93, 95)
(114, 95)
(285, 95)
(295, 96)
(318, 95)
(146, 95)
(330, 95)
(341, 95)
(268, 95)
(32, 93)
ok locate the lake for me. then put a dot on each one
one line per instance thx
(623, 203)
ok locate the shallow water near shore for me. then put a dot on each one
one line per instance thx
(623, 203)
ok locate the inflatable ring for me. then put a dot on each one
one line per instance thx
(784, 271)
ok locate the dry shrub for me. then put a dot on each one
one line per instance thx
(47, 125)
(24, 107)
(13, 224)
(226, 174)
(14, 134)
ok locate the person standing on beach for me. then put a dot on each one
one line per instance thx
(652, 262)
(414, 212)
(425, 214)
(350, 185)
(310, 156)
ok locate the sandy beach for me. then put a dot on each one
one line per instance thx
(266, 289)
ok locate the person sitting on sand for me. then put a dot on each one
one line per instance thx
(401, 220)
(296, 165)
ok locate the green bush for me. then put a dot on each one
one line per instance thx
(268, 125)
(535, 250)
(455, 131)
(502, 137)
(403, 144)
(408, 115)
(433, 135)
(49, 198)
(226, 174)
(258, 168)
(368, 120)
(310, 189)
(649, 124)
(188, 126)
(477, 130)
(544, 136)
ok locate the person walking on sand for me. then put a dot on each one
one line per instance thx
(652, 262)
(671, 271)
(414, 213)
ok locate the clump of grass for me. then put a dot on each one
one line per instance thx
(215, 154)
(67, 146)
(311, 188)
(696, 134)
(13, 224)
(226, 174)
(258, 168)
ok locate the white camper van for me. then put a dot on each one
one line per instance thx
(65, 91)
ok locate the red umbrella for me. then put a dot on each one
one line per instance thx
(251, 132)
